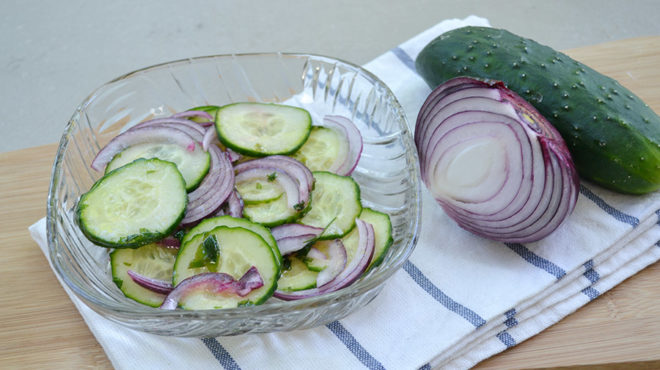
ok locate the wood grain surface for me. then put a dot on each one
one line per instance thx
(41, 328)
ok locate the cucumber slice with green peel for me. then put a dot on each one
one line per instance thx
(335, 204)
(321, 150)
(382, 236)
(133, 205)
(272, 213)
(382, 233)
(193, 164)
(238, 249)
(229, 221)
(260, 129)
(151, 260)
(259, 190)
(296, 275)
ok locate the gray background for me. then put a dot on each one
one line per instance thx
(54, 53)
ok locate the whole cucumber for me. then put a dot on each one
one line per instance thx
(613, 136)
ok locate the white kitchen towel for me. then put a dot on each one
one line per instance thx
(458, 300)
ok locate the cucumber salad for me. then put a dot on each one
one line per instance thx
(227, 206)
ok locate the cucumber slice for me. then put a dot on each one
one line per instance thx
(335, 204)
(193, 165)
(295, 275)
(229, 221)
(260, 129)
(151, 260)
(238, 250)
(133, 205)
(271, 213)
(321, 150)
(382, 233)
(259, 190)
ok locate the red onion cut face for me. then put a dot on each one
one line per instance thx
(495, 165)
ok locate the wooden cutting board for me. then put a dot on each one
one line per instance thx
(40, 327)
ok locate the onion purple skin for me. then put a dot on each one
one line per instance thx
(546, 190)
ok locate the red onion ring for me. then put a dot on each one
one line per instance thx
(346, 164)
(351, 272)
(213, 282)
(155, 285)
(214, 189)
(148, 134)
(195, 114)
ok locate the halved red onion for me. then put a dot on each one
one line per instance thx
(213, 282)
(147, 134)
(494, 164)
(349, 156)
(214, 189)
(155, 285)
(351, 272)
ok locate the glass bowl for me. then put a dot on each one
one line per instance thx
(388, 174)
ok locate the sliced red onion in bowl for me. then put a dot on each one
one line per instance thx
(287, 230)
(294, 237)
(210, 137)
(334, 262)
(215, 188)
(213, 282)
(147, 134)
(191, 128)
(494, 164)
(351, 272)
(290, 169)
(234, 205)
(350, 154)
(194, 114)
(155, 285)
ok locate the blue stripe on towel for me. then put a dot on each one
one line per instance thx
(593, 276)
(510, 318)
(354, 346)
(404, 58)
(441, 297)
(590, 273)
(537, 260)
(221, 354)
(658, 213)
(506, 338)
(425, 367)
(618, 215)
(591, 293)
